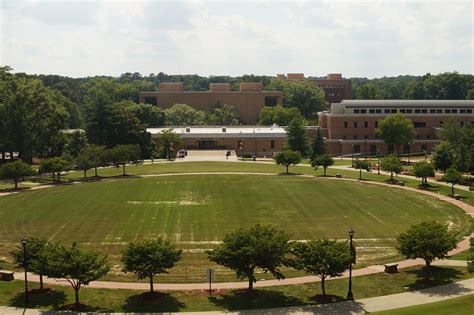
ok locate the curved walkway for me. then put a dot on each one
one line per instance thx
(461, 246)
(362, 306)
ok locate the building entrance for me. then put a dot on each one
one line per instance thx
(206, 144)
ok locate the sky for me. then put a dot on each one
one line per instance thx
(355, 38)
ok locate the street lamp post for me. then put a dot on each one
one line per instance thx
(25, 265)
(352, 156)
(378, 161)
(350, 296)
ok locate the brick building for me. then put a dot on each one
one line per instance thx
(261, 141)
(349, 126)
(247, 102)
(335, 87)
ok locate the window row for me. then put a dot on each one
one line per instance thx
(413, 111)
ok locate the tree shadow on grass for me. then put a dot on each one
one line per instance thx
(438, 276)
(46, 298)
(153, 302)
(242, 299)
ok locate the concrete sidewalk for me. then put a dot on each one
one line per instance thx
(375, 304)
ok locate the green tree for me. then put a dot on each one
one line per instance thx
(304, 95)
(77, 266)
(362, 165)
(149, 258)
(76, 142)
(318, 147)
(443, 156)
(287, 158)
(456, 146)
(84, 161)
(183, 115)
(452, 176)
(369, 91)
(15, 171)
(428, 241)
(279, 115)
(424, 170)
(322, 258)
(55, 166)
(35, 257)
(94, 154)
(149, 115)
(170, 141)
(223, 114)
(247, 249)
(391, 164)
(395, 130)
(297, 139)
(324, 160)
(123, 154)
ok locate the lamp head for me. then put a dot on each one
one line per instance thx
(351, 232)
(24, 240)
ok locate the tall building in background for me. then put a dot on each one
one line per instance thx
(335, 87)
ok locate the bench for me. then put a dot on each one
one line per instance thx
(6, 275)
(391, 268)
(338, 176)
(457, 196)
(401, 183)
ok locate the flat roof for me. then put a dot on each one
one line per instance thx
(218, 131)
(382, 103)
(206, 91)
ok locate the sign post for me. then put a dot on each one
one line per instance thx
(210, 277)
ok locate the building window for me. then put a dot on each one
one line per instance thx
(432, 111)
(152, 100)
(363, 111)
(386, 111)
(394, 111)
(417, 111)
(345, 124)
(344, 137)
(424, 111)
(378, 111)
(462, 111)
(424, 147)
(373, 149)
(402, 111)
(428, 136)
(418, 124)
(355, 136)
(439, 111)
(469, 111)
(371, 111)
(271, 100)
(454, 111)
(356, 111)
(440, 123)
(447, 111)
(272, 144)
(409, 111)
(377, 124)
(366, 137)
(355, 124)
(356, 148)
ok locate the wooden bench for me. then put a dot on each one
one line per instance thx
(457, 196)
(338, 175)
(391, 268)
(6, 275)
(401, 183)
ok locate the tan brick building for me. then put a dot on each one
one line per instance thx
(335, 87)
(247, 102)
(261, 141)
(349, 126)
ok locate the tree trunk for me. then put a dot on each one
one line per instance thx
(287, 169)
(76, 295)
(123, 166)
(3, 155)
(391, 176)
(360, 174)
(452, 190)
(323, 287)
(324, 171)
(95, 168)
(250, 285)
(59, 176)
(85, 173)
(16, 183)
(427, 270)
(41, 282)
(151, 283)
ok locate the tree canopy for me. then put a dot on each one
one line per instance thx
(324, 160)
(296, 136)
(287, 158)
(391, 164)
(245, 250)
(15, 171)
(423, 170)
(279, 115)
(395, 130)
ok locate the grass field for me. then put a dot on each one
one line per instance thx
(459, 306)
(106, 300)
(196, 211)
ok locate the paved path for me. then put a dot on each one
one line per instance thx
(375, 304)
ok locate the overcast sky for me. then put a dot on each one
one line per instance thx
(357, 38)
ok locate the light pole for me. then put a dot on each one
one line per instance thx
(352, 156)
(378, 161)
(350, 296)
(25, 265)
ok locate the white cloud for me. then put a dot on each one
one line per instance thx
(357, 38)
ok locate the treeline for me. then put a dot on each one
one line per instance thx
(444, 86)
